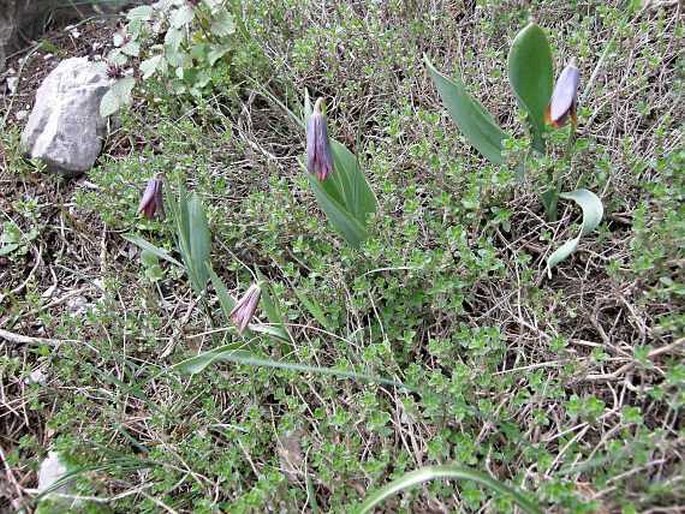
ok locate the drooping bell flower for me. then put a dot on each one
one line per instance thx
(244, 309)
(152, 201)
(564, 98)
(319, 157)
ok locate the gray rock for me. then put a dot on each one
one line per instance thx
(65, 129)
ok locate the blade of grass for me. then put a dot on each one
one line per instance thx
(425, 474)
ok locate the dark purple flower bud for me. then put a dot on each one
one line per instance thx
(564, 97)
(319, 158)
(152, 201)
(244, 310)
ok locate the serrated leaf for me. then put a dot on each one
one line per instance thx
(182, 16)
(531, 75)
(173, 39)
(146, 246)
(132, 49)
(118, 96)
(223, 24)
(473, 120)
(428, 473)
(216, 53)
(150, 66)
(593, 210)
(141, 13)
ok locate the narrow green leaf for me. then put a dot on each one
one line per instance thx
(340, 218)
(149, 247)
(314, 309)
(593, 210)
(470, 116)
(435, 472)
(270, 330)
(229, 353)
(225, 300)
(200, 242)
(271, 304)
(531, 74)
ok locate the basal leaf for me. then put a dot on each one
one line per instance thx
(470, 116)
(231, 353)
(593, 210)
(225, 300)
(340, 218)
(455, 472)
(356, 193)
(149, 247)
(531, 74)
(200, 242)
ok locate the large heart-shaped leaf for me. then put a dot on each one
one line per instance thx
(531, 74)
(593, 210)
(470, 116)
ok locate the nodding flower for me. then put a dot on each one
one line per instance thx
(564, 98)
(319, 158)
(152, 201)
(244, 310)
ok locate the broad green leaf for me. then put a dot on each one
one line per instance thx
(117, 96)
(149, 247)
(173, 39)
(340, 218)
(437, 472)
(223, 24)
(357, 196)
(200, 242)
(593, 210)
(470, 116)
(150, 66)
(217, 52)
(531, 74)
(141, 13)
(132, 49)
(181, 16)
(230, 353)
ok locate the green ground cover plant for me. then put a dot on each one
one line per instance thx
(424, 363)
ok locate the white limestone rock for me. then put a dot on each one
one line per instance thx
(65, 129)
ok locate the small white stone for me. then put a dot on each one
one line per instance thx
(12, 83)
(51, 470)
